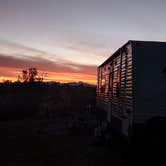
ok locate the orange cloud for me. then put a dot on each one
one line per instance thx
(63, 71)
(75, 62)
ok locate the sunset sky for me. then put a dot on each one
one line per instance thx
(67, 39)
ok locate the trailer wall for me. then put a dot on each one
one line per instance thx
(149, 80)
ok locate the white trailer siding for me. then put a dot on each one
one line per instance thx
(149, 61)
(133, 90)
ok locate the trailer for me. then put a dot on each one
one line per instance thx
(131, 86)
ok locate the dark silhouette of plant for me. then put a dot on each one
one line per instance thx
(7, 82)
(30, 75)
(25, 75)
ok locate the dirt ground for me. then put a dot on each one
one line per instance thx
(23, 144)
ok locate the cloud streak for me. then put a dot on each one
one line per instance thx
(10, 66)
(60, 67)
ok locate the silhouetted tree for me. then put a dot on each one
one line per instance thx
(25, 75)
(7, 82)
(33, 74)
(30, 75)
(40, 78)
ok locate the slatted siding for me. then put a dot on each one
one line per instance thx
(115, 100)
(148, 92)
(122, 99)
(103, 84)
(117, 74)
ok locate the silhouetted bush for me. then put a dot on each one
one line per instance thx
(39, 100)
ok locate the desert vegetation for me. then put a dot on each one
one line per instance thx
(41, 100)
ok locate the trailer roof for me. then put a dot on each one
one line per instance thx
(117, 52)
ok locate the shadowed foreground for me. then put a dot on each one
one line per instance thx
(23, 143)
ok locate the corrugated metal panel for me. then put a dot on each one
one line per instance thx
(103, 84)
(122, 96)
(115, 83)
(137, 89)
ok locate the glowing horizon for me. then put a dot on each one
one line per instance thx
(63, 77)
(56, 78)
(15, 57)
